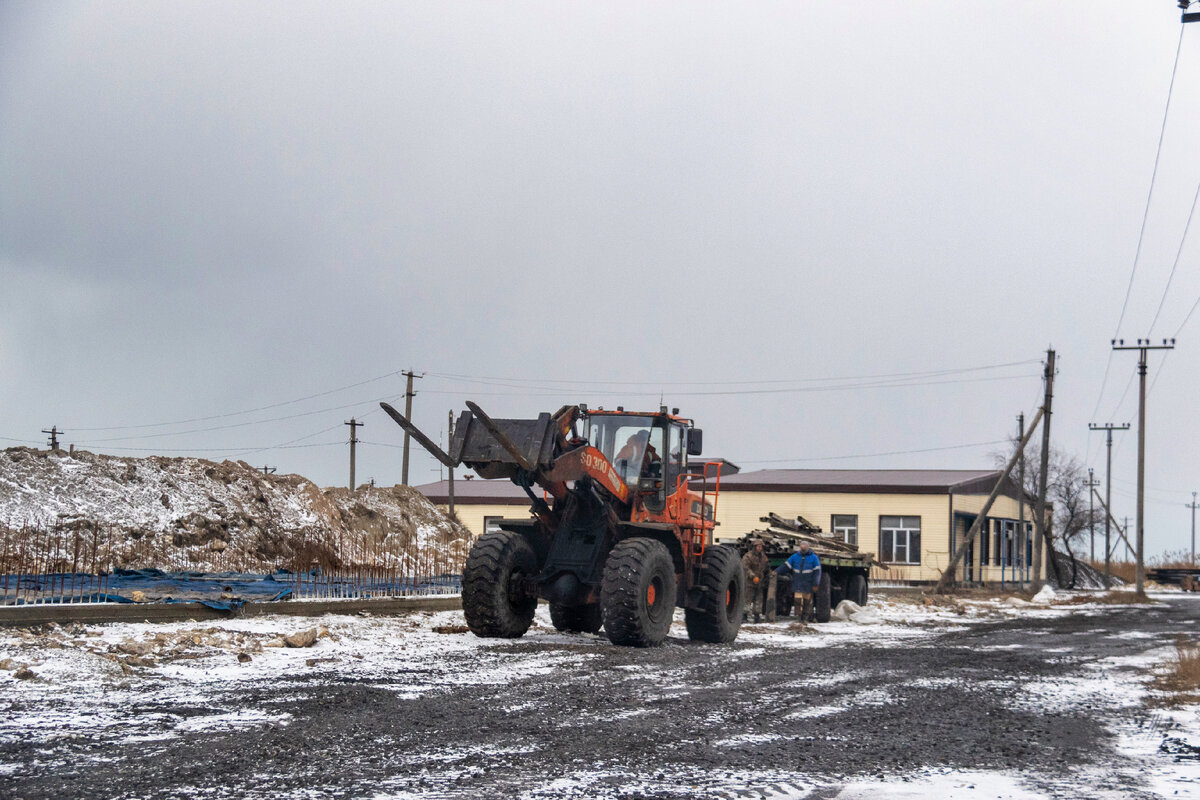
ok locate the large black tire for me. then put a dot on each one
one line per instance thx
(784, 600)
(723, 587)
(638, 592)
(489, 603)
(821, 608)
(577, 619)
(858, 589)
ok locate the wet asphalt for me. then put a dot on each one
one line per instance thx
(681, 720)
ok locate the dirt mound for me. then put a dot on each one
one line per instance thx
(190, 513)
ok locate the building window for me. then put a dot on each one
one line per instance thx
(845, 527)
(984, 554)
(900, 540)
(491, 524)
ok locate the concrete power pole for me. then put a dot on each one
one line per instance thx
(408, 396)
(1192, 506)
(1142, 346)
(354, 426)
(1108, 546)
(1091, 483)
(1039, 521)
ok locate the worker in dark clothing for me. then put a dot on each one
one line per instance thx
(805, 568)
(754, 563)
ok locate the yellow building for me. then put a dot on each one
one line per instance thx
(912, 520)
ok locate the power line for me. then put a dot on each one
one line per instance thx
(1188, 317)
(1175, 265)
(247, 411)
(925, 373)
(218, 449)
(1150, 193)
(1142, 232)
(548, 391)
(874, 455)
(236, 424)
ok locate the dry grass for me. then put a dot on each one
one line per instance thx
(1182, 676)
(1125, 570)
(1116, 598)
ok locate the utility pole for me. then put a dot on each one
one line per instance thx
(54, 434)
(1128, 553)
(1192, 506)
(1022, 534)
(1108, 547)
(1091, 483)
(408, 396)
(1039, 521)
(450, 447)
(267, 470)
(354, 426)
(1142, 346)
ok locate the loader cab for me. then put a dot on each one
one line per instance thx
(649, 451)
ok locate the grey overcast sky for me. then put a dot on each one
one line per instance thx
(750, 210)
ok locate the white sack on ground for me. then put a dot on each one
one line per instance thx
(1045, 596)
(846, 609)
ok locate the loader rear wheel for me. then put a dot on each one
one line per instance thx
(723, 586)
(586, 618)
(783, 596)
(494, 602)
(821, 608)
(858, 589)
(638, 592)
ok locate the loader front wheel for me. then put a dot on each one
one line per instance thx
(587, 618)
(722, 585)
(494, 601)
(638, 592)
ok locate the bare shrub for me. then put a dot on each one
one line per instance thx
(1182, 676)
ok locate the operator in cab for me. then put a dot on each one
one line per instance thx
(805, 569)
(638, 443)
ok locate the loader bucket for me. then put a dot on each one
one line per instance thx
(495, 448)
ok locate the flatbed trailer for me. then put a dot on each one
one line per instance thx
(845, 572)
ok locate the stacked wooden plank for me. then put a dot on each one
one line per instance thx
(783, 533)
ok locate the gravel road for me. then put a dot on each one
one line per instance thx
(785, 711)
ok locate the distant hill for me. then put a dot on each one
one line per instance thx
(190, 513)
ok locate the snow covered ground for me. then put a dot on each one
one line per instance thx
(113, 685)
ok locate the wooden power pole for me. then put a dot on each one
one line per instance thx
(450, 447)
(948, 574)
(1022, 534)
(1042, 534)
(1192, 506)
(408, 396)
(54, 434)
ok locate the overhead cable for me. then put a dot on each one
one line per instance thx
(874, 455)
(1145, 215)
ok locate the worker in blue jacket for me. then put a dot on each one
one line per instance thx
(805, 568)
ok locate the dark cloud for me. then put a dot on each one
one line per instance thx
(206, 208)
